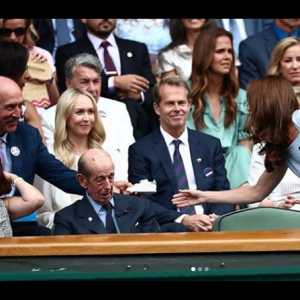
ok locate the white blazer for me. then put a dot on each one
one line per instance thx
(117, 126)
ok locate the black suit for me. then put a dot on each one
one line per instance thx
(133, 215)
(137, 63)
(45, 30)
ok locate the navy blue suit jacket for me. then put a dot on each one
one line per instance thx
(133, 215)
(44, 27)
(138, 63)
(254, 54)
(149, 158)
(34, 158)
(252, 26)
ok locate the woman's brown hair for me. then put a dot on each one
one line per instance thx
(5, 185)
(272, 101)
(203, 54)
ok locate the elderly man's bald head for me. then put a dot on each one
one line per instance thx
(11, 101)
(8, 87)
(94, 159)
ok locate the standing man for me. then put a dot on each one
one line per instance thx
(100, 210)
(127, 75)
(179, 158)
(255, 51)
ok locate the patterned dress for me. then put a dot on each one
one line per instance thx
(5, 227)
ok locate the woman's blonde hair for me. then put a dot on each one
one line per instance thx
(63, 147)
(31, 35)
(276, 56)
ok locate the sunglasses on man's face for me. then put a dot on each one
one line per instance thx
(6, 32)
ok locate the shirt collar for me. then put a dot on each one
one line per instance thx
(280, 34)
(4, 138)
(96, 41)
(97, 207)
(169, 139)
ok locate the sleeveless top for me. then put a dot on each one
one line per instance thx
(5, 227)
(293, 151)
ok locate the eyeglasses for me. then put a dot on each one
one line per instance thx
(6, 32)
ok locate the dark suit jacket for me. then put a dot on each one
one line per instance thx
(75, 219)
(254, 54)
(138, 63)
(45, 29)
(149, 158)
(34, 158)
(252, 26)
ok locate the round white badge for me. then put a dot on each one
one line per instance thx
(15, 151)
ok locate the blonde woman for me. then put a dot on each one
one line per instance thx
(23, 32)
(78, 128)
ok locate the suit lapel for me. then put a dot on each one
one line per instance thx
(86, 46)
(88, 218)
(163, 154)
(14, 140)
(271, 40)
(124, 213)
(196, 153)
(124, 59)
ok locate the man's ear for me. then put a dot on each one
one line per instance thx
(81, 180)
(68, 82)
(156, 108)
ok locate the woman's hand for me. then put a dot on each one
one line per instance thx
(188, 197)
(37, 57)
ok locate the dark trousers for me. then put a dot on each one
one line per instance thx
(29, 229)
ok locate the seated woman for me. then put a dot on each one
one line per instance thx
(13, 64)
(77, 128)
(42, 92)
(220, 107)
(16, 207)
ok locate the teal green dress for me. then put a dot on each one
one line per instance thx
(237, 158)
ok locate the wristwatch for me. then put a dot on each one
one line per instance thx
(50, 80)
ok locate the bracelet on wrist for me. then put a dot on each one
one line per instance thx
(279, 204)
(14, 182)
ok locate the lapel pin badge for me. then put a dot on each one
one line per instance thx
(129, 54)
(90, 219)
(199, 160)
(15, 151)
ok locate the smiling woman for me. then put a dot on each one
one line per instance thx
(78, 128)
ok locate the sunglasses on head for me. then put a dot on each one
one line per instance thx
(6, 32)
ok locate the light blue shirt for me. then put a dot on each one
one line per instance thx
(101, 211)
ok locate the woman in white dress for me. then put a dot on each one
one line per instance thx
(176, 58)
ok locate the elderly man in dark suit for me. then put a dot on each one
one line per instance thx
(100, 210)
(255, 51)
(152, 158)
(133, 79)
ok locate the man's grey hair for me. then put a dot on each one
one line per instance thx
(85, 60)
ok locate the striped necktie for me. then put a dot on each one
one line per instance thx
(110, 224)
(181, 176)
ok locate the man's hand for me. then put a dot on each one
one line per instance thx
(198, 223)
(131, 83)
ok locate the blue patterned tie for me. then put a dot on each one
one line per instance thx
(237, 38)
(63, 32)
(181, 176)
(110, 224)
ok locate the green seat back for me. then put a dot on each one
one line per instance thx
(258, 218)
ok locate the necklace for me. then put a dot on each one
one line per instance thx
(80, 152)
